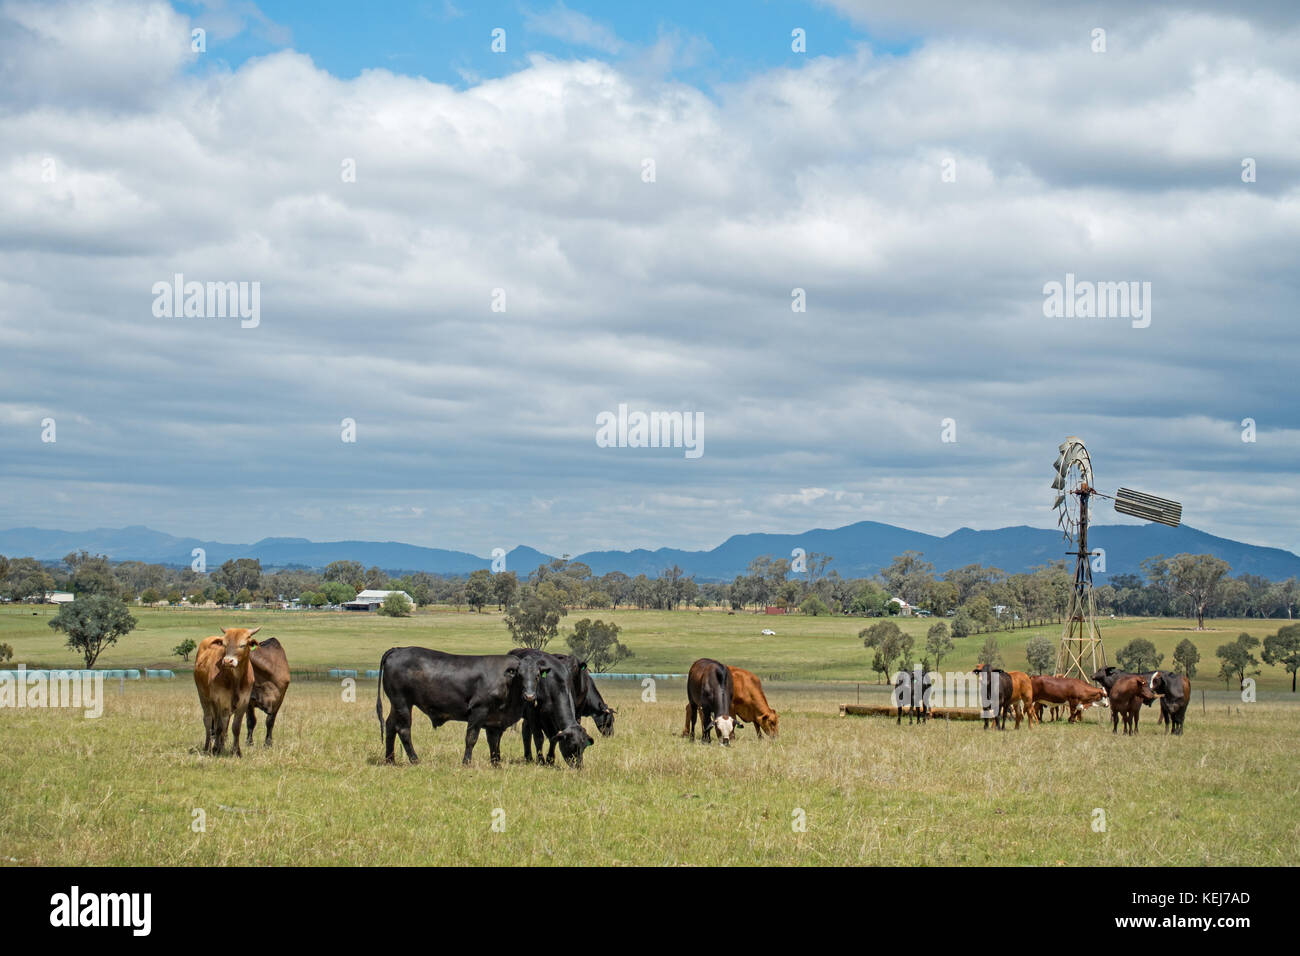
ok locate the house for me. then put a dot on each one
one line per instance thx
(904, 609)
(773, 609)
(59, 597)
(370, 600)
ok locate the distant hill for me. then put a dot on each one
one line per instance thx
(859, 549)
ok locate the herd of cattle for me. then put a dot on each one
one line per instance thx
(1014, 693)
(549, 694)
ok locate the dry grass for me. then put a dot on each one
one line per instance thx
(122, 789)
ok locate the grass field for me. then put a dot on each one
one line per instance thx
(127, 787)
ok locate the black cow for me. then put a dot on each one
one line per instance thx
(572, 676)
(709, 689)
(487, 691)
(912, 690)
(1176, 693)
(995, 688)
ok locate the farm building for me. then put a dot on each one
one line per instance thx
(59, 597)
(369, 600)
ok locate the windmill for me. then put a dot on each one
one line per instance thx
(1081, 653)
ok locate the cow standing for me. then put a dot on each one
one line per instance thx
(1022, 697)
(710, 691)
(1127, 693)
(270, 684)
(995, 688)
(572, 675)
(912, 691)
(1175, 692)
(223, 674)
(1069, 692)
(748, 702)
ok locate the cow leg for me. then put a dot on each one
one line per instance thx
(236, 724)
(688, 729)
(706, 716)
(251, 717)
(494, 745)
(270, 725)
(526, 731)
(398, 724)
(219, 725)
(550, 751)
(471, 738)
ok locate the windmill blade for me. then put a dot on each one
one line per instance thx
(1148, 507)
(1057, 502)
(1059, 481)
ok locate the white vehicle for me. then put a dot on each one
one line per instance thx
(768, 632)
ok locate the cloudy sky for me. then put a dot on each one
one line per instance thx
(920, 176)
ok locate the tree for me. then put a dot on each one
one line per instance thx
(1237, 657)
(92, 574)
(93, 622)
(937, 642)
(1284, 648)
(184, 649)
(813, 606)
(221, 596)
(990, 655)
(1138, 656)
(395, 605)
(337, 592)
(1197, 577)
(244, 597)
(1040, 654)
(479, 589)
(597, 643)
(890, 644)
(535, 618)
(150, 596)
(1186, 657)
(239, 574)
(174, 596)
(348, 572)
(27, 578)
(6, 652)
(962, 625)
(504, 586)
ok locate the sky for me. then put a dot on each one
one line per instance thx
(463, 259)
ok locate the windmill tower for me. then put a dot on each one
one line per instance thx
(1082, 653)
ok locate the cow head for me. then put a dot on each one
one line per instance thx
(1106, 676)
(527, 670)
(768, 722)
(605, 722)
(1144, 692)
(573, 740)
(239, 644)
(726, 728)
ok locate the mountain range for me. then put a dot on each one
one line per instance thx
(859, 550)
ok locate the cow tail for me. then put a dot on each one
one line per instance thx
(379, 694)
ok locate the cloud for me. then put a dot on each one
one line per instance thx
(476, 427)
(573, 27)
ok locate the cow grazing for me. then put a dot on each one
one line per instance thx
(572, 675)
(223, 674)
(488, 691)
(1127, 694)
(912, 691)
(1175, 692)
(710, 691)
(995, 688)
(1068, 692)
(749, 703)
(1022, 697)
(270, 684)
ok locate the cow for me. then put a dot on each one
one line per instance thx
(912, 690)
(710, 691)
(223, 675)
(270, 684)
(487, 691)
(1176, 694)
(1127, 693)
(1069, 692)
(749, 703)
(995, 688)
(584, 698)
(1022, 697)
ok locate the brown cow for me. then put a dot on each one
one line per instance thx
(223, 674)
(749, 703)
(1022, 696)
(1069, 692)
(270, 684)
(1127, 695)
